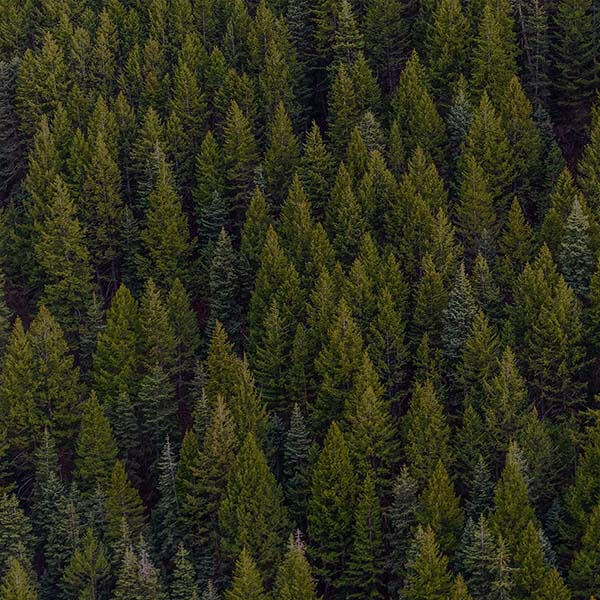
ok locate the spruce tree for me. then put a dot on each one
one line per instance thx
(576, 258)
(184, 585)
(316, 169)
(294, 578)
(531, 567)
(477, 557)
(553, 587)
(584, 572)
(16, 538)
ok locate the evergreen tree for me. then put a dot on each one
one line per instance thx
(247, 580)
(294, 578)
(418, 120)
(477, 557)
(15, 531)
(184, 581)
(86, 574)
(365, 562)
(553, 587)
(251, 514)
(583, 573)
(17, 584)
(331, 510)
(96, 449)
(588, 164)
(576, 256)
(427, 576)
(529, 558)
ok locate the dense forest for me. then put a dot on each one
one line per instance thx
(299, 299)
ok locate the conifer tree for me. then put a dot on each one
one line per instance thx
(96, 449)
(440, 510)
(336, 364)
(247, 580)
(458, 317)
(531, 568)
(15, 531)
(449, 42)
(86, 574)
(512, 508)
(316, 169)
(64, 260)
(427, 576)
(221, 366)
(425, 421)
(584, 573)
(418, 120)
(477, 557)
(240, 158)
(296, 466)
(365, 563)
(184, 585)
(17, 584)
(576, 256)
(165, 235)
(494, 52)
(588, 164)
(294, 578)
(117, 357)
(553, 587)
(123, 506)
(331, 510)
(343, 109)
(251, 514)
(281, 157)
(223, 287)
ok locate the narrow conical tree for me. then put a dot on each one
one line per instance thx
(184, 585)
(427, 577)
(425, 421)
(531, 568)
(331, 510)
(247, 581)
(576, 257)
(96, 449)
(17, 584)
(365, 563)
(64, 261)
(294, 578)
(584, 573)
(553, 587)
(251, 514)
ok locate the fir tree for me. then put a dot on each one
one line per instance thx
(247, 580)
(184, 581)
(529, 558)
(331, 510)
(427, 576)
(17, 583)
(15, 531)
(251, 514)
(294, 578)
(365, 563)
(583, 573)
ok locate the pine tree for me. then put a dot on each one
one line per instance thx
(587, 166)
(331, 510)
(425, 421)
(165, 235)
(210, 182)
(365, 562)
(297, 466)
(316, 169)
(64, 260)
(576, 256)
(247, 581)
(96, 449)
(575, 73)
(477, 557)
(85, 576)
(221, 367)
(440, 510)
(251, 514)
(458, 317)
(584, 573)
(184, 585)
(427, 577)
(553, 587)
(17, 583)
(138, 578)
(529, 558)
(475, 213)
(418, 120)
(343, 109)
